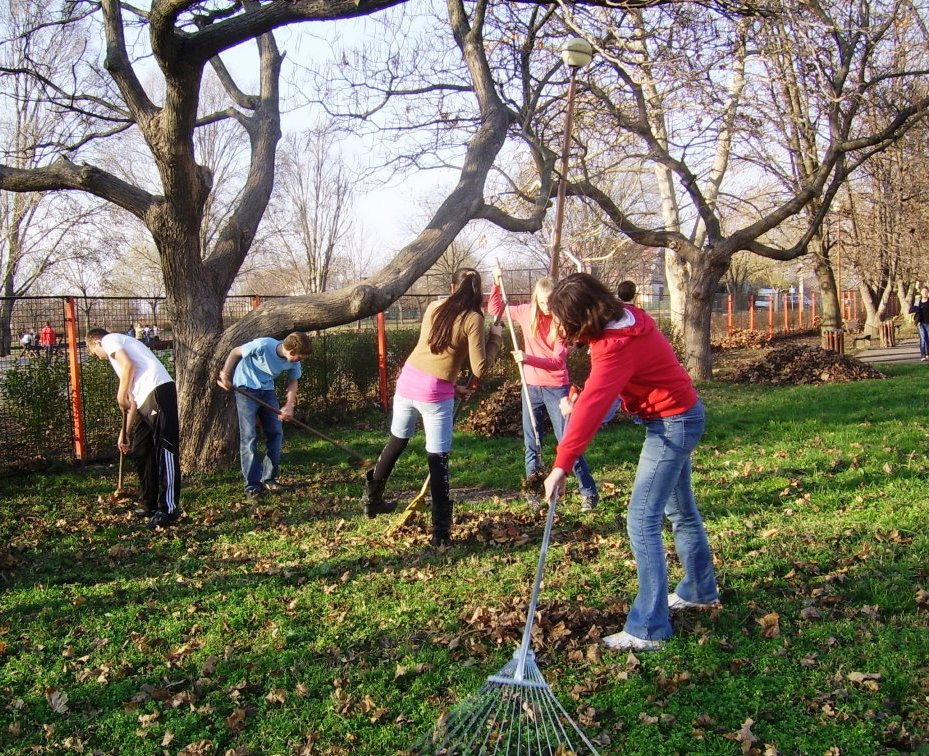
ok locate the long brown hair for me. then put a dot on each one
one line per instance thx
(466, 297)
(583, 306)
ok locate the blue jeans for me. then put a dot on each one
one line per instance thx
(663, 487)
(548, 398)
(254, 470)
(923, 330)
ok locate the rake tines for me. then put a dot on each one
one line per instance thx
(515, 711)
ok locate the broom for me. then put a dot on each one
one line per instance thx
(515, 711)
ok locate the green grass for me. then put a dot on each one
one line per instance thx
(300, 626)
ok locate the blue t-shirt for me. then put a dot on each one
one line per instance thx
(261, 364)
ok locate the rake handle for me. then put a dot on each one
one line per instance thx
(536, 588)
(122, 457)
(276, 410)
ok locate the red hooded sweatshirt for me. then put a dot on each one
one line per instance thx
(631, 360)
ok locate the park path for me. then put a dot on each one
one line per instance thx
(905, 351)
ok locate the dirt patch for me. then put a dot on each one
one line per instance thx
(800, 364)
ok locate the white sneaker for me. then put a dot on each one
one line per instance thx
(677, 604)
(624, 642)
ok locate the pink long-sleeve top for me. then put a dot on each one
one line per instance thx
(632, 360)
(546, 359)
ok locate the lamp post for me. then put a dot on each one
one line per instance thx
(576, 54)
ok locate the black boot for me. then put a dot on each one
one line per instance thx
(441, 500)
(373, 497)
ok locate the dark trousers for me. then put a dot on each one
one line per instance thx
(155, 449)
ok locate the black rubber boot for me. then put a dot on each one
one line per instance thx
(373, 497)
(441, 500)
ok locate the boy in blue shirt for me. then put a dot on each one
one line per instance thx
(252, 368)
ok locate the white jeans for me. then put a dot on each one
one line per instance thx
(437, 422)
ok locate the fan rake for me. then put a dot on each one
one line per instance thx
(515, 712)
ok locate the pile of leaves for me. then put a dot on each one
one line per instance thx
(797, 364)
(742, 338)
(498, 415)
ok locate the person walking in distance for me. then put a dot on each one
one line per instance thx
(252, 368)
(545, 366)
(631, 358)
(452, 330)
(48, 340)
(148, 396)
(920, 311)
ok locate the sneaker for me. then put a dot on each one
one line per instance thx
(143, 510)
(589, 503)
(272, 486)
(677, 604)
(162, 520)
(252, 496)
(624, 642)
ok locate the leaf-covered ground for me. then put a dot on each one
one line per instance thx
(297, 625)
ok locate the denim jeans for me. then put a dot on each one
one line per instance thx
(257, 471)
(923, 330)
(437, 422)
(548, 398)
(663, 487)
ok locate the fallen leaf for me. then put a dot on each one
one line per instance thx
(770, 625)
(57, 700)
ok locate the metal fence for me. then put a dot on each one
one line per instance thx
(36, 382)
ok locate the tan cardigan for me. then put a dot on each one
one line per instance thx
(467, 342)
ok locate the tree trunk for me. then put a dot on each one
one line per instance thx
(825, 278)
(705, 274)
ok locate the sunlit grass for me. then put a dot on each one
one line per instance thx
(298, 623)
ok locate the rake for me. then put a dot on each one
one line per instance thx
(515, 712)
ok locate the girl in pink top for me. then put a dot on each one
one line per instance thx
(545, 367)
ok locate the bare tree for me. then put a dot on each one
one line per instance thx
(184, 38)
(316, 191)
(658, 65)
(36, 231)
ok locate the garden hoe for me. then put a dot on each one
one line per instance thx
(363, 463)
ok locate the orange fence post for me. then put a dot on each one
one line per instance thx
(786, 314)
(382, 358)
(74, 367)
(256, 302)
(812, 308)
(729, 315)
(770, 315)
(800, 314)
(751, 314)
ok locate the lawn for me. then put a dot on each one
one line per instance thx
(299, 626)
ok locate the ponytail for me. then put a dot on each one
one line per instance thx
(466, 297)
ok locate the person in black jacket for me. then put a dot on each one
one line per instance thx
(920, 310)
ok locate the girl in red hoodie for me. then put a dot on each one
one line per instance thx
(632, 360)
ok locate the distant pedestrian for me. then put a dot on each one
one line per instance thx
(148, 395)
(920, 310)
(48, 340)
(252, 368)
(27, 342)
